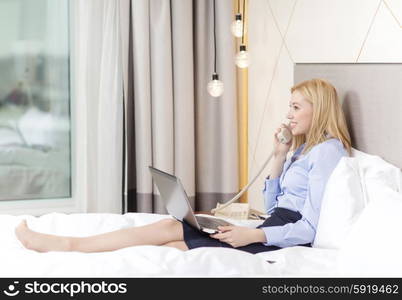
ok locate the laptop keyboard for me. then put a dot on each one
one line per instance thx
(212, 223)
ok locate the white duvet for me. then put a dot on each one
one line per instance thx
(145, 261)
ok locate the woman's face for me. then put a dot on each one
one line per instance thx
(300, 114)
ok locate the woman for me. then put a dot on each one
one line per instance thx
(292, 194)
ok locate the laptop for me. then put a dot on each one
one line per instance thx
(176, 202)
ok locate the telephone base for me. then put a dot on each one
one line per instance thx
(238, 211)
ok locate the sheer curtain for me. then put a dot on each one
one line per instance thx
(99, 91)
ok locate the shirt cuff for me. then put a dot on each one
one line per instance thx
(273, 235)
(272, 186)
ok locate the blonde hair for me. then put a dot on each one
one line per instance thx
(328, 118)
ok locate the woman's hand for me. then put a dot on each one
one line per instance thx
(238, 236)
(280, 150)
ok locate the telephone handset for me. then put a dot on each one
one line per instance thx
(284, 137)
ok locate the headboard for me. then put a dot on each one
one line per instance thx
(371, 97)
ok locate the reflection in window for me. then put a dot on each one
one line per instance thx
(34, 100)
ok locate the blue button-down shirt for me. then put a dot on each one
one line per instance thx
(300, 188)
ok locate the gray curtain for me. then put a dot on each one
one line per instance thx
(171, 122)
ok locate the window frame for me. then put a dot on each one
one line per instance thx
(77, 203)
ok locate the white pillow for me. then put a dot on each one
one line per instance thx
(400, 182)
(374, 245)
(342, 203)
(374, 170)
(349, 189)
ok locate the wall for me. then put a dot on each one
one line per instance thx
(285, 32)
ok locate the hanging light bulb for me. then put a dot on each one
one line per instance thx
(242, 57)
(237, 26)
(215, 86)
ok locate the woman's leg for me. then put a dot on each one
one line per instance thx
(160, 233)
(181, 245)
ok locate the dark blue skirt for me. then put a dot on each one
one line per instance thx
(281, 216)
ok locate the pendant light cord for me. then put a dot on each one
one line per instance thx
(214, 41)
(244, 22)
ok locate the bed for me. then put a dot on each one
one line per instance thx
(146, 261)
(138, 261)
(357, 234)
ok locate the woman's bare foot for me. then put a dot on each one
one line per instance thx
(39, 241)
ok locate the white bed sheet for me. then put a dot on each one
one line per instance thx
(146, 261)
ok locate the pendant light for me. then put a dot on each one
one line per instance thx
(242, 58)
(237, 24)
(215, 86)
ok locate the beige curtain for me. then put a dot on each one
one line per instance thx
(171, 122)
(98, 88)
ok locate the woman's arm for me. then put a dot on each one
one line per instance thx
(238, 236)
(322, 161)
(277, 166)
(271, 186)
(280, 152)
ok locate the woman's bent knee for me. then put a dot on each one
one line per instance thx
(181, 245)
(170, 223)
(173, 229)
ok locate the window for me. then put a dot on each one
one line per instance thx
(35, 119)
